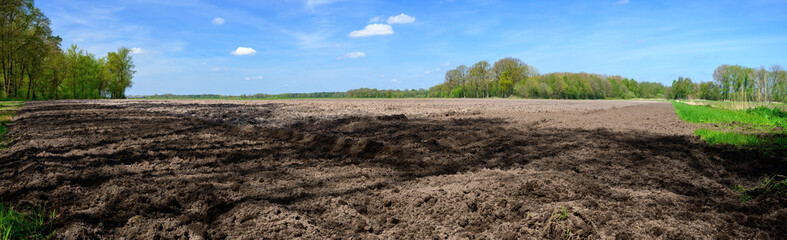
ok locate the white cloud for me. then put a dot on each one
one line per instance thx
(218, 21)
(253, 77)
(396, 81)
(137, 50)
(427, 72)
(445, 64)
(375, 19)
(241, 51)
(621, 2)
(401, 19)
(373, 30)
(438, 69)
(353, 55)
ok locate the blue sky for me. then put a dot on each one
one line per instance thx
(277, 46)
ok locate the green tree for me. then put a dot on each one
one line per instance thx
(515, 70)
(681, 88)
(463, 78)
(23, 33)
(121, 68)
(709, 91)
(481, 74)
(506, 82)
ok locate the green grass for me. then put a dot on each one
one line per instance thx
(740, 139)
(560, 214)
(718, 137)
(706, 114)
(737, 105)
(7, 111)
(759, 127)
(18, 225)
(15, 224)
(773, 186)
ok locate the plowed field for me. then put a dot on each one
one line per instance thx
(387, 169)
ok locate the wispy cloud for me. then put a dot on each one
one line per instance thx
(352, 55)
(400, 19)
(375, 19)
(215, 69)
(313, 40)
(244, 51)
(218, 21)
(397, 81)
(621, 2)
(313, 3)
(137, 51)
(375, 29)
(253, 78)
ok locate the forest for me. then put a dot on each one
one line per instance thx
(736, 83)
(35, 67)
(512, 77)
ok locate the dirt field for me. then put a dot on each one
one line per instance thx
(389, 169)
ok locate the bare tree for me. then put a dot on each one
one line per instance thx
(778, 82)
(760, 78)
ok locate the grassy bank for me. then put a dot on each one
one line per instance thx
(759, 127)
(13, 223)
(7, 111)
(17, 225)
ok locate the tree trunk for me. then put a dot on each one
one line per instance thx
(29, 85)
(74, 84)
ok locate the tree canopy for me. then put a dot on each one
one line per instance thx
(34, 66)
(736, 83)
(513, 77)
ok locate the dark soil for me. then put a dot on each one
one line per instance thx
(134, 171)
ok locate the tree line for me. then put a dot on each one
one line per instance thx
(512, 77)
(34, 66)
(735, 83)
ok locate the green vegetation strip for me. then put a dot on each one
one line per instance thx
(7, 111)
(773, 185)
(763, 127)
(704, 114)
(18, 225)
(15, 224)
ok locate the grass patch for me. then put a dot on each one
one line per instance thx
(705, 114)
(759, 127)
(737, 105)
(775, 185)
(714, 137)
(17, 225)
(7, 111)
(560, 214)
